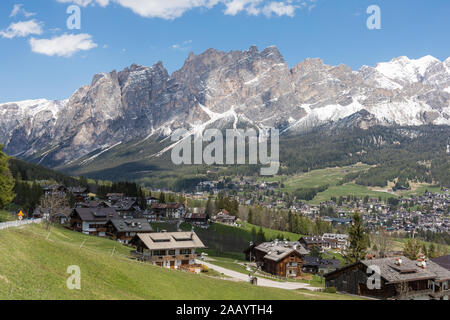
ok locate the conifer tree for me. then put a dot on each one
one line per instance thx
(6, 181)
(358, 240)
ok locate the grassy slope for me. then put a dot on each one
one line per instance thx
(5, 216)
(33, 265)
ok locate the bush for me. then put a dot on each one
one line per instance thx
(330, 290)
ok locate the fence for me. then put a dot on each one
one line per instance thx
(18, 223)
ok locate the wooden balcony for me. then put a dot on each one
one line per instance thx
(147, 257)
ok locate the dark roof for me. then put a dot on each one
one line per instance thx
(278, 250)
(131, 225)
(196, 216)
(96, 214)
(408, 270)
(310, 261)
(125, 204)
(78, 189)
(443, 261)
(93, 204)
(312, 240)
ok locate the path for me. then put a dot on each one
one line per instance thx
(17, 223)
(261, 281)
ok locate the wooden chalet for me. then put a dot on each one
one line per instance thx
(318, 265)
(124, 230)
(113, 197)
(400, 278)
(312, 242)
(80, 194)
(168, 210)
(196, 218)
(225, 217)
(173, 250)
(92, 220)
(281, 258)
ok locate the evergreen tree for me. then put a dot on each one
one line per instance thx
(6, 181)
(358, 240)
(162, 198)
(250, 216)
(260, 237)
(411, 249)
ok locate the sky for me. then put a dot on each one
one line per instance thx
(41, 57)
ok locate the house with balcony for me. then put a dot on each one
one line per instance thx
(92, 221)
(280, 258)
(174, 250)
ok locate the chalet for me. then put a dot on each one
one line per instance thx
(54, 189)
(400, 278)
(319, 265)
(79, 193)
(124, 230)
(92, 220)
(175, 250)
(93, 204)
(280, 258)
(168, 211)
(225, 217)
(126, 206)
(196, 218)
(113, 197)
(334, 241)
(151, 200)
(312, 242)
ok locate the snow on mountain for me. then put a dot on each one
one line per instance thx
(406, 70)
(224, 89)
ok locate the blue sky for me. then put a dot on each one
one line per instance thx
(41, 58)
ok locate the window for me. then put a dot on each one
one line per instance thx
(159, 252)
(185, 251)
(171, 252)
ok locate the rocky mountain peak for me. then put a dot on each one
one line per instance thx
(217, 88)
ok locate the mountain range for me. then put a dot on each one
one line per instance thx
(219, 89)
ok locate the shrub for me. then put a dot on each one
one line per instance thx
(330, 290)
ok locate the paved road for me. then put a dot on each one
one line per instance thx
(261, 281)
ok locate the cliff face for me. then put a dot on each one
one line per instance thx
(214, 88)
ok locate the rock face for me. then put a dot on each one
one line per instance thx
(216, 88)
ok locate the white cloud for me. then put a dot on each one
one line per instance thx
(84, 3)
(279, 8)
(234, 7)
(22, 29)
(18, 9)
(172, 9)
(165, 9)
(63, 46)
(183, 46)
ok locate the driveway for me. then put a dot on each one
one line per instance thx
(261, 281)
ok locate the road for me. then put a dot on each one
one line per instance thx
(261, 281)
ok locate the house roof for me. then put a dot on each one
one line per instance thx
(125, 204)
(96, 214)
(443, 261)
(278, 250)
(311, 261)
(312, 240)
(170, 240)
(407, 271)
(131, 225)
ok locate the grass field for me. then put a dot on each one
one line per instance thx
(5, 216)
(33, 265)
(331, 177)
